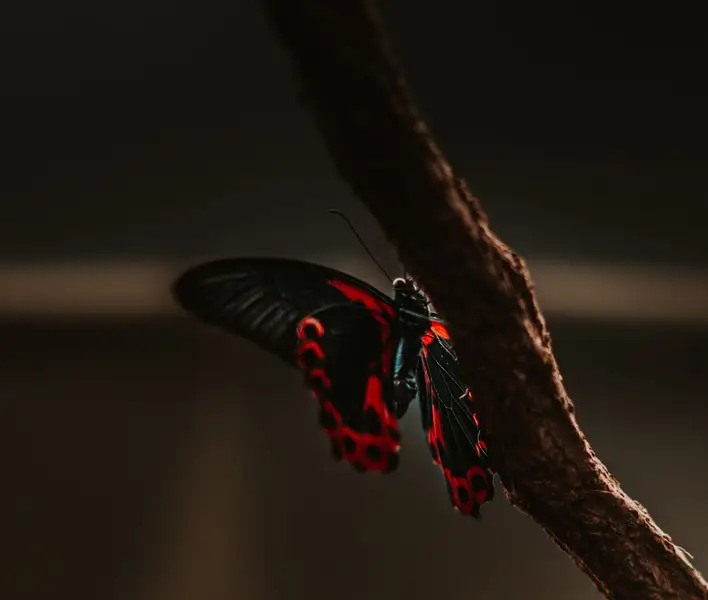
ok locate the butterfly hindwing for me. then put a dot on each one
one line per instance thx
(451, 424)
(346, 356)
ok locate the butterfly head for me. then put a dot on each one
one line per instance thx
(408, 295)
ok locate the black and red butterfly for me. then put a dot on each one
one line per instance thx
(365, 357)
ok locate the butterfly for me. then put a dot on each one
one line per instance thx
(364, 355)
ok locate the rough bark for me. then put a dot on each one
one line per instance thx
(380, 145)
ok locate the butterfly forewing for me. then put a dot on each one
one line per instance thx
(264, 299)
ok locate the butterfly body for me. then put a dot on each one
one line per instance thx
(364, 355)
(414, 312)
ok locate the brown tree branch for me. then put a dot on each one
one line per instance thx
(383, 149)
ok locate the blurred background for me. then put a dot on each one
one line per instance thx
(148, 457)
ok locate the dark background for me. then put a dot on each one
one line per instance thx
(151, 458)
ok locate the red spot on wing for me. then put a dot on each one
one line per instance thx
(314, 372)
(436, 330)
(309, 346)
(356, 294)
(436, 441)
(440, 329)
(465, 495)
(328, 408)
(366, 451)
(388, 349)
(435, 435)
(382, 312)
(374, 399)
(374, 396)
(309, 322)
(320, 376)
(426, 378)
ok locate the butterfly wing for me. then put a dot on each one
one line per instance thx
(265, 299)
(451, 424)
(347, 358)
(336, 328)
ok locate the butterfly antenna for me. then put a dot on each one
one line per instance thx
(358, 237)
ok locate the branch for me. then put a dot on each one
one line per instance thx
(383, 149)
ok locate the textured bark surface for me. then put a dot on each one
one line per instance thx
(380, 145)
